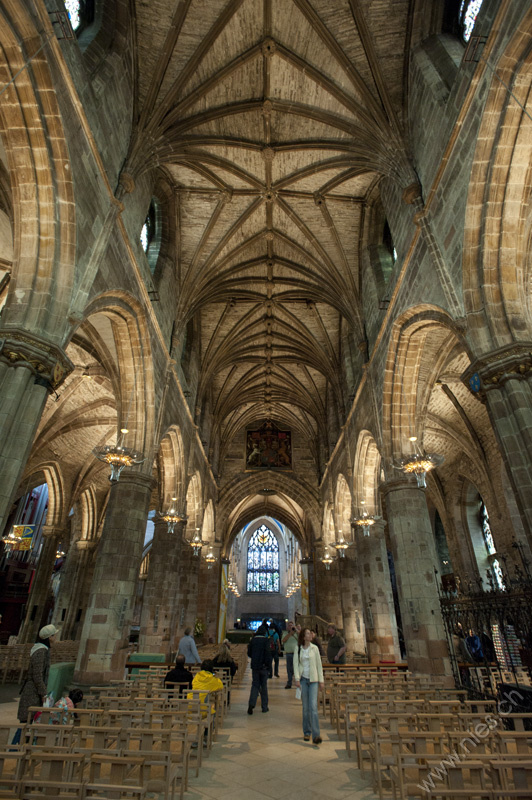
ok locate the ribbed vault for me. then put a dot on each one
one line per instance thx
(273, 121)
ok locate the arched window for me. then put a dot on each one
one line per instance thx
(150, 234)
(81, 14)
(263, 562)
(468, 13)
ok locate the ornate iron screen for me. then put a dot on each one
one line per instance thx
(263, 562)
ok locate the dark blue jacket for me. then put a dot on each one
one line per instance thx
(259, 652)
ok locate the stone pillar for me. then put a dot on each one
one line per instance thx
(414, 553)
(105, 636)
(29, 367)
(157, 621)
(41, 589)
(503, 380)
(186, 595)
(381, 626)
(328, 600)
(305, 595)
(351, 598)
(208, 596)
(74, 589)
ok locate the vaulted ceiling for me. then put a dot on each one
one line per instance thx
(274, 120)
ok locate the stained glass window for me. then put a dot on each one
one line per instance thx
(468, 14)
(263, 562)
(74, 12)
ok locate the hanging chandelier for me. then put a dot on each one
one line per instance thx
(210, 558)
(10, 540)
(364, 521)
(327, 559)
(341, 546)
(419, 464)
(172, 516)
(117, 457)
(196, 542)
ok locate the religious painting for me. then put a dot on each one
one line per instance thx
(268, 448)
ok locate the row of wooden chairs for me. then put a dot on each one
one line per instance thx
(14, 658)
(419, 742)
(132, 738)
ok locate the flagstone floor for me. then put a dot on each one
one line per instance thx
(264, 755)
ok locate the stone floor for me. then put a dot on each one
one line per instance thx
(263, 755)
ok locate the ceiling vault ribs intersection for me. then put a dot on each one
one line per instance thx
(273, 119)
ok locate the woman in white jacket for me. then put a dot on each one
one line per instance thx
(308, 674)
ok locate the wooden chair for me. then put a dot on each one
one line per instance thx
(12, 764)
(114, 778)
(48, 773)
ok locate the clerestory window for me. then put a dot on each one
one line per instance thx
(263, 562)
(81, 14)
(467, 16)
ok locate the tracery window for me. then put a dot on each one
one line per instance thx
(468, 13)
(263, 561)
(490, 546)
(150, 234)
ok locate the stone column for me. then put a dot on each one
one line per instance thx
(503, 380)
(29, 367)
(381, 626)
(105, 636)
(351, 599)
(74, 590)
(208, 596)
(186, 594)
(414, 553)
(41, 589)
(157, 622)
(328, 600)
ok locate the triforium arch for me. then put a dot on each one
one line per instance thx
(496, 255)
(116, 328)
(171, 463)
(43, 200)
(420, 344)
(342, 508)
(366, 474)
(194, 498)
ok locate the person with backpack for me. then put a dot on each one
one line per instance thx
(308, 674)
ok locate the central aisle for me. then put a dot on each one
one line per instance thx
(264, 755)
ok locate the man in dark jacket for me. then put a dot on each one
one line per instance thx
(179, 674)
(260, 653)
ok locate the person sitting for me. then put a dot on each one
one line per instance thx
(64, 705)
(179, 674)
(223, 659)
(205, 682)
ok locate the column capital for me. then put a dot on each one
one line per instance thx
(398, 484)
(46, 360)
(136, 478)
(85, 544)
(50, 531)
(492, 370)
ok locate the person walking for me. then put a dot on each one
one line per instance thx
(187, 647)
(260, 653)
(275, 646)
(308, 674)
(289, 645)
